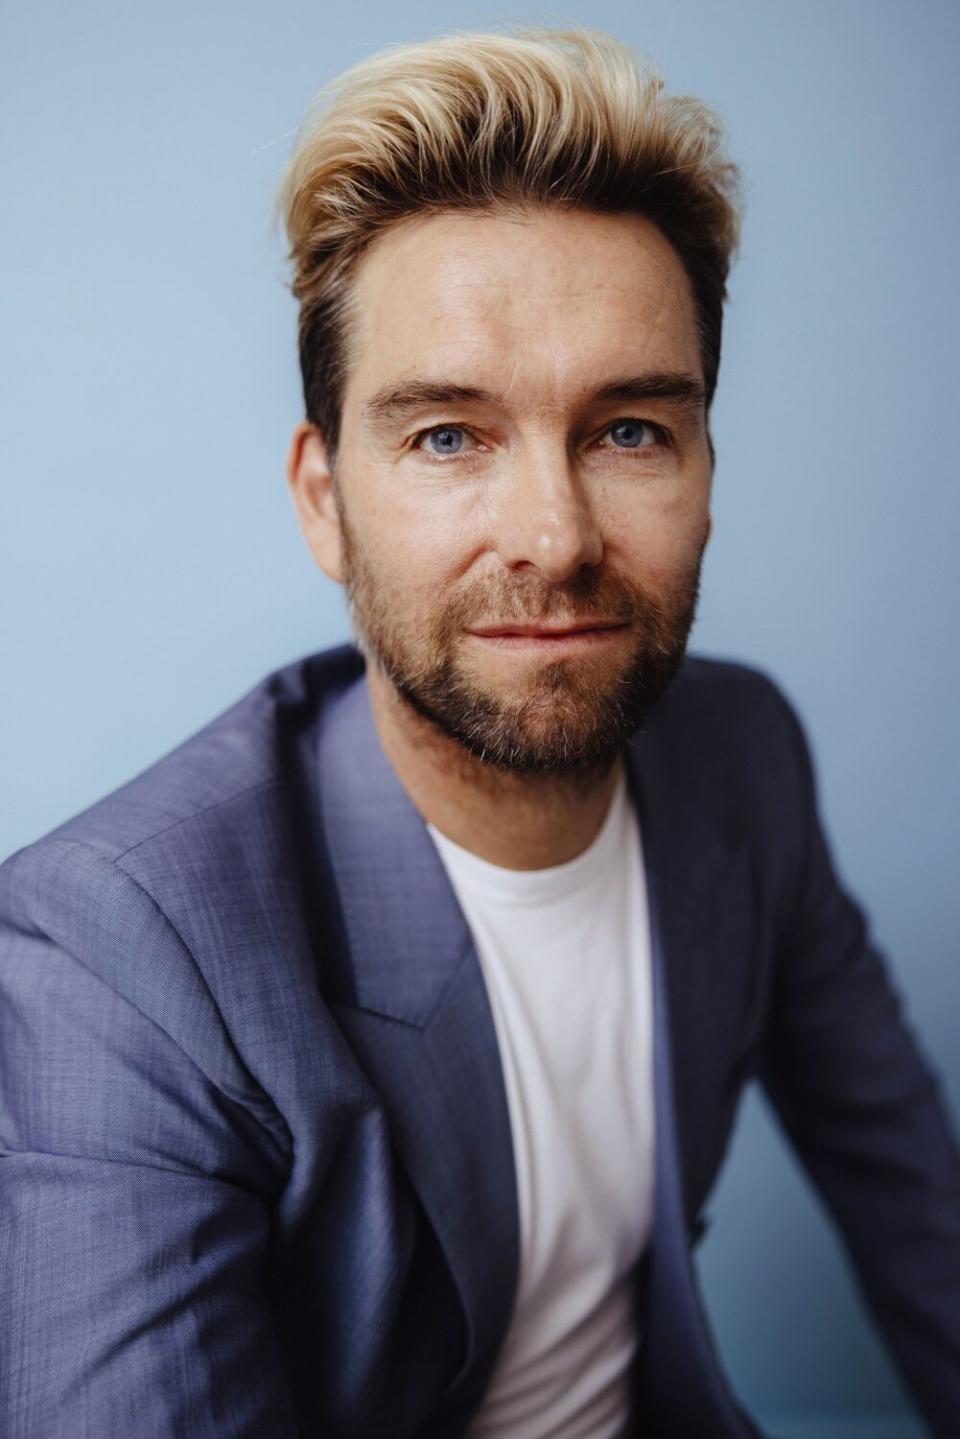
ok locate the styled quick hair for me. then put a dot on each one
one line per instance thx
(486, 121)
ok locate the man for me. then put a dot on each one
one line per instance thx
(368, 1060)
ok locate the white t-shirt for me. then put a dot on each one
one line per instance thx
(565, 953)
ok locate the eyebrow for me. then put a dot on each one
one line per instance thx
(399, 401)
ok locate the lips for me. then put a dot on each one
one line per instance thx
(544, 632)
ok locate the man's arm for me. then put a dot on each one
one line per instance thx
(865, 1113)
(134, 1192)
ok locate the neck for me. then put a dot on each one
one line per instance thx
(519, 821)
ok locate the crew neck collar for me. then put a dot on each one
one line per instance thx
(530, 885)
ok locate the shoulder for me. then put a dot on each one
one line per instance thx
(724, 708)
(726, 742)
(175, 890)
(208, 783)
(236, 754)
(145, 942)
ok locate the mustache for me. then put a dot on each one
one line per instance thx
(529, 600)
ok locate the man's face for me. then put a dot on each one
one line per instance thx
(523, 477)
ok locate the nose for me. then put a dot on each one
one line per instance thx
(546, 522)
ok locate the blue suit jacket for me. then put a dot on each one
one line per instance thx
(257, 1174)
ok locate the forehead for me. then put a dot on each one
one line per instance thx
(541, 303)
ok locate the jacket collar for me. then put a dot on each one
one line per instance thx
(404, 930)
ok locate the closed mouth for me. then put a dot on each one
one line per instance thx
(545, 632)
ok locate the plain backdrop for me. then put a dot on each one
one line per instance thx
(151, 570)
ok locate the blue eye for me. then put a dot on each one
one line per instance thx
(629, 434)
(445, 439)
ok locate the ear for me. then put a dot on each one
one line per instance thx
(310, 477)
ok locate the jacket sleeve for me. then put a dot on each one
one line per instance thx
(134, 1186)
(865, 1113)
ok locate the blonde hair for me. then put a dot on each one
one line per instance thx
(482, 121)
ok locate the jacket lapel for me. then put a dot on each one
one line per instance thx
(692, 861)
(409, 992)
(698, 884)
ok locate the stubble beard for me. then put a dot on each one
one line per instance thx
(575, 718)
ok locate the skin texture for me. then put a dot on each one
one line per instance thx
(537, 508)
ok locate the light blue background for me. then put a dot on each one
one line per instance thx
(150, 565)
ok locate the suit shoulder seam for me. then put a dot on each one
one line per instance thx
(184, 819)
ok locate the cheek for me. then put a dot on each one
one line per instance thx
(660, 537)
(409, 569)
(402, 532)
(424, 542)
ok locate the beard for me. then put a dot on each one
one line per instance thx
(574, 717)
